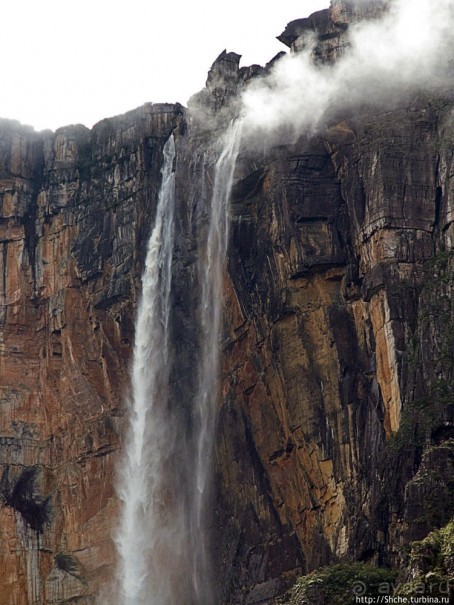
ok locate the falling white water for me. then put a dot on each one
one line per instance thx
(162, 540)
(147, 538)
(211, 266)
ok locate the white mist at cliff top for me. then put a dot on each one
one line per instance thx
(409, 47)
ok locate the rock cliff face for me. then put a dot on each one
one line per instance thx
(75, 219)
(339, 371)
(335, 433)
(325, 32)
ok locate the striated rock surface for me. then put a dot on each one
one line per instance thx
(338, 350)
(76, 212)
(335, 421)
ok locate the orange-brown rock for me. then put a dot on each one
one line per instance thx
(76, 211)
(332, 320)
(335, 414)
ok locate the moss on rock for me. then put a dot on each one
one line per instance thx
(340, 585)
(429, 565)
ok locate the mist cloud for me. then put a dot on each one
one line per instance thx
(409, 48)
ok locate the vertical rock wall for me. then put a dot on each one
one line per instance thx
(77, 207)
(340, 292)
(335, 416)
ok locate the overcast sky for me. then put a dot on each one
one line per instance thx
(66, 61)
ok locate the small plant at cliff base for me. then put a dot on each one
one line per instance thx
(340, 585)
(429, 568)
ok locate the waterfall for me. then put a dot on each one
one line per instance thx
(211, 266)
(165, 479)
(146, 536)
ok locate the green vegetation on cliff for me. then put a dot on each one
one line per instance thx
(340, 585)
(429, 565)
(427, 569)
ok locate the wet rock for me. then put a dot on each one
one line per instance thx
(336, 407)
(24, 491)
(78, 207)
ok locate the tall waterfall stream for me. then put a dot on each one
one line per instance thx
(162, 539)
